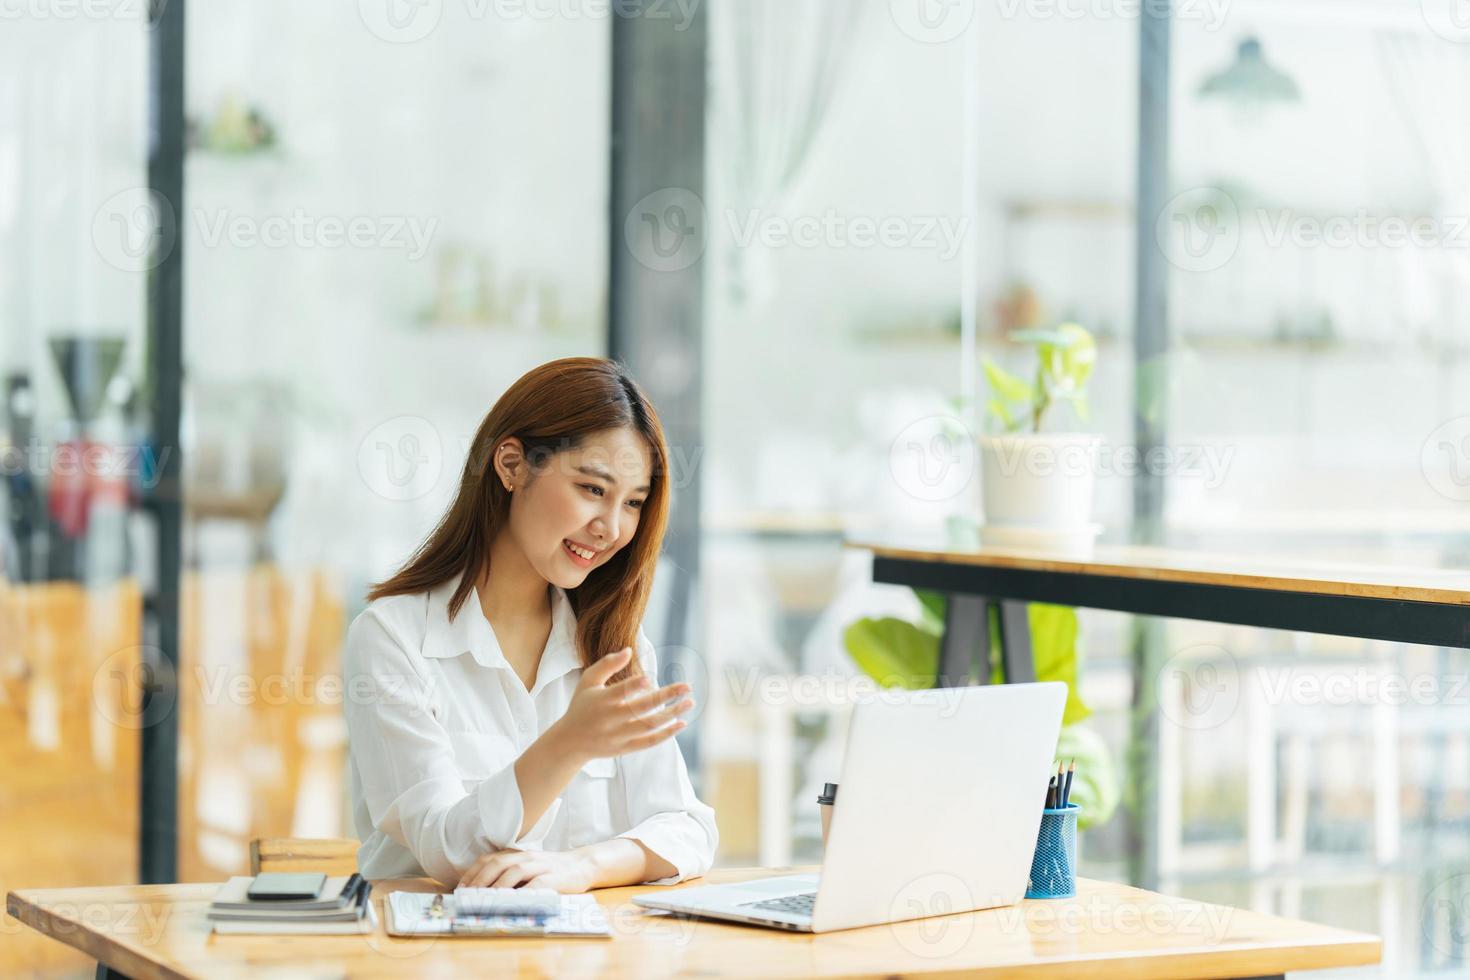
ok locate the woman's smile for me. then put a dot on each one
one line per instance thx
(581, 556)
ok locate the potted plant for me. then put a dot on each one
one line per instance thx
(1036, 486)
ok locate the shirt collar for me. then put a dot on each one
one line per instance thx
(470, 632)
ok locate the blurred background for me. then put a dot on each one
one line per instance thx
(266, 265)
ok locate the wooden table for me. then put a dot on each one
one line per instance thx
(1407, 605)
(159, 931)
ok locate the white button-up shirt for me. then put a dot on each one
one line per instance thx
(436, 718)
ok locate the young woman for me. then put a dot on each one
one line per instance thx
(502, 732)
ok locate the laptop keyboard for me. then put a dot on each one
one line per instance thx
(790, 904)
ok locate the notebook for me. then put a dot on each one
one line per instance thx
(343, 907)
(417, 914)
(338, 893)
(309, 927)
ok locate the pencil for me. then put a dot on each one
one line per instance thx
(1067, 785)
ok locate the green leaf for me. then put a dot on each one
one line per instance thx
(1079, 405)
(1095, 786)
(933, 605)
(1005, 384)
(893, 652)
(1054, 651)
(1054, 635)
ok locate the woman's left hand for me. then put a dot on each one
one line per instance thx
(565, 871)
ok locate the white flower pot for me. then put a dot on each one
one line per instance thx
(1042, 483)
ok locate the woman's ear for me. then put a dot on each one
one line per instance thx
(510, 463)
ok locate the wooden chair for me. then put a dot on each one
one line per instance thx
(332, 855)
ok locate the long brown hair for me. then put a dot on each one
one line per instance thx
(551, 409)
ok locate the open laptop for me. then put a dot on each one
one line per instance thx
(937, 812)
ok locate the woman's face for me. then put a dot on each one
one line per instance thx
(582, 506)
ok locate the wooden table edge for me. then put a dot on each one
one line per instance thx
(1042, 562)
(105, 949)
(1341, 949)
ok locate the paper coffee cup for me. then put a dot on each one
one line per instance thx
(825, 803)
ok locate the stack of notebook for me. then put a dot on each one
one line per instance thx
(342, 905)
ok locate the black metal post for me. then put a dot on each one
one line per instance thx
(657, 233)
(1150, 350)
(158, 791)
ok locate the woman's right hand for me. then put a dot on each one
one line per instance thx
(606, 720)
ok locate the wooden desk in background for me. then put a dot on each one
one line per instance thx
(1405, 605)
(159, 931)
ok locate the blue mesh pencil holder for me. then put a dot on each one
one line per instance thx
(1054, 865)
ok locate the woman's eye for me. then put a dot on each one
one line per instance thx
(636, 504)
(594, 489)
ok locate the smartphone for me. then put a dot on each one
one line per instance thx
(282, 885)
